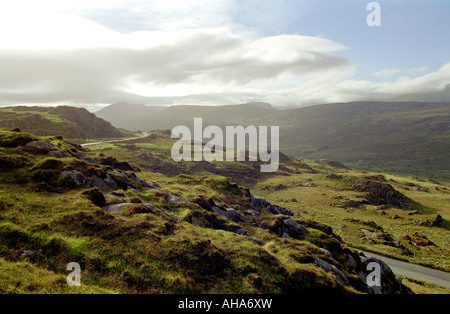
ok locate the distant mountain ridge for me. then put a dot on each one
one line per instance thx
(406, 137)
(70, 122)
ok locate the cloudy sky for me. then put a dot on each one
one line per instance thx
(214, 52)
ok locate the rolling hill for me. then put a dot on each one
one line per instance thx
(133, 231)
(399, 137)
(70, 122)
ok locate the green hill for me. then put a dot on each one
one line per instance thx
(136, 231)
(70, 122)
(398, 137)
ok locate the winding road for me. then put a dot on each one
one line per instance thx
(413, 271)
(144, 134)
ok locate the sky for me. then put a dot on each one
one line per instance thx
(289, 53)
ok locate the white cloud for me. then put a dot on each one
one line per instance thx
(386, 73)
(187, 52)
(418, 70)
(434, 82)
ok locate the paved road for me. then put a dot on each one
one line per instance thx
(144, 134)
(413, 271)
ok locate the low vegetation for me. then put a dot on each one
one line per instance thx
(138, 223)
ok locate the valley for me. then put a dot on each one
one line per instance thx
(139, 222)
(406, 138)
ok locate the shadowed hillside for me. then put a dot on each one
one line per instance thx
(67, 121)
(132, 233)
(398, 137)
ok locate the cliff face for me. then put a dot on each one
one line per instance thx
(70, 122)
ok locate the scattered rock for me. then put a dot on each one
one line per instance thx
(325, 252)
(109, 181)
(95, 196)
(47, 148)
(420, 188)
(77, 177)
(305, 184)
(241, 231)
(56, 153)
(273, 209)
(352, 204)
(85, 158)
(417, 239)
(370, 233)
(42, 145)
(293, 228)
(115, 208)
(352, 262)
(378, 177)
(174, 200)
(100, 183)
(113, 162)
(228, 212)
(256, 241)
(32, 255)
(329, 268)
(380, 193)
(334, 176)
(390, 284)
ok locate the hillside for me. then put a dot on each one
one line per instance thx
(398, 137)
(136, 231)
(393, 208)
(70, 122)
(146, 118)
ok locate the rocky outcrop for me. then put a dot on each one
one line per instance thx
(228, 213)
(378, 193)
(77, 177)
(274, 209)
(46, 148)
(33, 256)
(329, 268)
(95, 196)
(389, 283)
(285, 227)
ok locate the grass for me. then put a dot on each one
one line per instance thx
(324, 202)
(134, 251)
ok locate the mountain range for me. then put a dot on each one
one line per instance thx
(400, 137)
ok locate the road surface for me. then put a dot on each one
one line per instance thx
(413, 271)
(144, 134)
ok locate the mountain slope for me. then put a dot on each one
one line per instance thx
(67, 121)
(402, 217)
(146, 118)
(401, 137)
(133, 234)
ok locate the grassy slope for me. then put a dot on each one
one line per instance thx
(326, 201)
(133, 252)
(129, 252)
(67, 121)
(400, 137)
